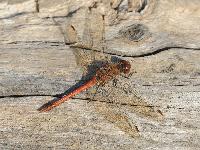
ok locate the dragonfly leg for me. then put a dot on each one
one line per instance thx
(88, 95)
(97, 88)
(115, 81)
(93, 95)
(129, 75)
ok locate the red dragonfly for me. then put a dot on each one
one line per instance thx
(104, 74)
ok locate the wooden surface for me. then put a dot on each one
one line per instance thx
(46, 46)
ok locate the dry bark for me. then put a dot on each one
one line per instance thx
(46, 47)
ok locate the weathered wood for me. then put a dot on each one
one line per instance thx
(35, 70)
(157, 107)
(77, 125)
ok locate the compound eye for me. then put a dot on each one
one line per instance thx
(125, 65)
(126, 70)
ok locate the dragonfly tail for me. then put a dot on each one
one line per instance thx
(50, 105)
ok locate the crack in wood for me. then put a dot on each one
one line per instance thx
(28, 95)
(14, 15)
(109, 53)
(37, 42)
(84, 99)
(134, 56)
(91, 100)
(163, 49)
(143, 6)
(69, 14)
(37, 7)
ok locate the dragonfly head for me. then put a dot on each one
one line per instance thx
(124, 66)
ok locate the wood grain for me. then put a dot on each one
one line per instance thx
(45, 48)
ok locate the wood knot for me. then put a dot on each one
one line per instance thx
(135, 32)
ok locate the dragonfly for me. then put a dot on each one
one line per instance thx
(104, 74)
